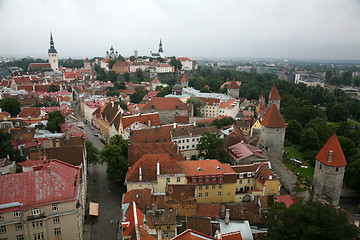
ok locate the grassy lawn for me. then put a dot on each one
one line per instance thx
(294, 152)
(353, 124)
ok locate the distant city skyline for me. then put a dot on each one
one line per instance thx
(305, 29)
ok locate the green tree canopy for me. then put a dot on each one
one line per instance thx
(219, 123)
(312, 220)
(5, 144)
(111, 76)
(137, 96)
(309, 140)
(175, 63)
(55, 119)
(293, 132)
(92, 152)
(139, 74)
(11, 105)
(197, 105)
(210, 147)
(165, 91)
(337, 112)
(115, 155)
(126, 76)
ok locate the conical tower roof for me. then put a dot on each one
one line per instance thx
(261, 95)
(331, 154)
(273, 118)
(184, 78)
(233, 85)
(274, 94)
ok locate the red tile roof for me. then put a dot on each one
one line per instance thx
(162, 103)
(183, 59)
(142, 197)
(192, 235)
(208, 210)
(261, 95)
(184, 78)
(181, 119)
(148, 163)
(287, 199)
(274, 94)
(150, 119)
(210, 101)
(33, 112)
(233, 85)
(86, 60)
(207, 167)
(39, 66)
(232, 236)
(52, 184)
(338, 158)
(156, 80)
(159, 134)
(273, 118)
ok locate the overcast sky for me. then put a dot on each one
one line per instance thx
(310, 29)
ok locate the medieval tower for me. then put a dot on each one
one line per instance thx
(274, 98)
(53, 55)
(233, 89)
(272, 132)
(329, 172)
(262, 99)
(184, 81)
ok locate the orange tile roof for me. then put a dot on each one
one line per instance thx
(274, 94)
(184, 78)
(233, 84)
(208, 210)
(159, 134)
(142, 197)
(273, 118)
(232, 236)
(208, 167)
(192, 235)
(148, 164)
(141, 118)
(162, 103)
(156, 80)
(30, 112)
(183, 59)
(338, 158)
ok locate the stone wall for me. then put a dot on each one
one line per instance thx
(272, 139)
(287, 178)
(167, 116)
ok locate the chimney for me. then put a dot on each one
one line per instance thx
(140, 174)
(330, 156)
(48, 169)
(227, 216)
(158, 169)
(149, 123)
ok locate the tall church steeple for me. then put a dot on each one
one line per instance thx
(53, 55)
(160, 47)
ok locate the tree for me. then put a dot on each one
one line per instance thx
(123, 105)
(53, 88)
(312, 220)
(111, 76)
(126, 76)
(309, 140)
(348, 147)
(115, 155)
(137, 96)
(346, 78)
(92, 152)
(352, 173)
(175, 63)
(205, 90)
(165, 91)
(337, 112)
(219, 123)
(210, 147)
(293, 132)
(197, 105)
(101, 75)
(139, 74)
(112, 91)
(328, 75)
(5, 144)
(132, 58)
(55, 119)
(11, 105)
(120, 85)
(111, 63)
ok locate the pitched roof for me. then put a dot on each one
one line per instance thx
(233, 84)
(200, 224)
(273, 118)
(51, 184)
(208, 210)
(192, 235)
(110, 112)
(159, 134)
(30, 112)
(148, 163)
(232, 236)
(142, 197)
(182, 198)
(155, 80)
(192, 131)
(207, 167)
(151, 119)
(274, 94)
(337, 159)
(261, 95)
(162, 103)
(137, 150)
(241, 151)
(70, 154)
(39, 66)
(183, 59)
(184, 78)
(165, 218)
(287, 199)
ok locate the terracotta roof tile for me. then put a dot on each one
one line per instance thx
(184, 78)
(33, 112)
(207, 167)
(199, 224)
(208, 210)
(181, 198)
(233, 84)
(159, 134)
(142, 197)
(162, 103)
(273, 118)
(165, 218)
(192, 131)
(274, 94)
(337, 159)
(190, 234)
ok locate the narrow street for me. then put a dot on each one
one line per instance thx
(102, 191)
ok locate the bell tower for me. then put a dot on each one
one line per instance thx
(53, 55)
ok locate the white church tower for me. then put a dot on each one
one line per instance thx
(53, 55)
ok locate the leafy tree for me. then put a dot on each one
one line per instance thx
(348, 147)
(312, 220)
(101, 75)
(132, 58)
(309, 140)
(357, 81)
(210, 147)
(293, 132)
(197, 105)
(115, 155)
(322, 128)
(205, 90)
(112, 91)
(137, 96)
(165, 91)
(337, 112)
(5, 144)
(328, 75)
(111, 63)
(111, 76)
(160, 59)
(175, 63)
(123, 105)
(139, 74)
(352, 173)
(53, 88)
(126, 76)
(120, 85)
(92, 152)
(55, 119)
(219, 123)
(11, 105)
(346, 78)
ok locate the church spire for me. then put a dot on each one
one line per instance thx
(160, 47)
(52, 47)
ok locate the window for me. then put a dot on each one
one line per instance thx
(214, 178)
(248, 180)
(241, 175)
(20, 237)
(168, 227)
(206, 194)
(187, 146)
(200, 187)
(193, 139)
(167, 180)
(39, 236)
(206, 187)
(200, 195)
(166, 235)
(200, 179)
(219, 194)
(240, 181)
(193, 146)
(178, 179)
(194, 180)
(2, 217)
(183, 147)
(57, 232)
(37, 224)
(18, 226)
(56, 219)
(249, 174)
(2, 229)
(187, 140)
(207, 179)
(183, 140)
(35, 211)
(213, 186)
(220, 186)
(17, 214)
(55, 207)
(220, 178)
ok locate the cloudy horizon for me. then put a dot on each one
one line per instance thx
(305, 29)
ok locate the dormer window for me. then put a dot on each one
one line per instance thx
(199, 169)
(218, 168)
(152, 107)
